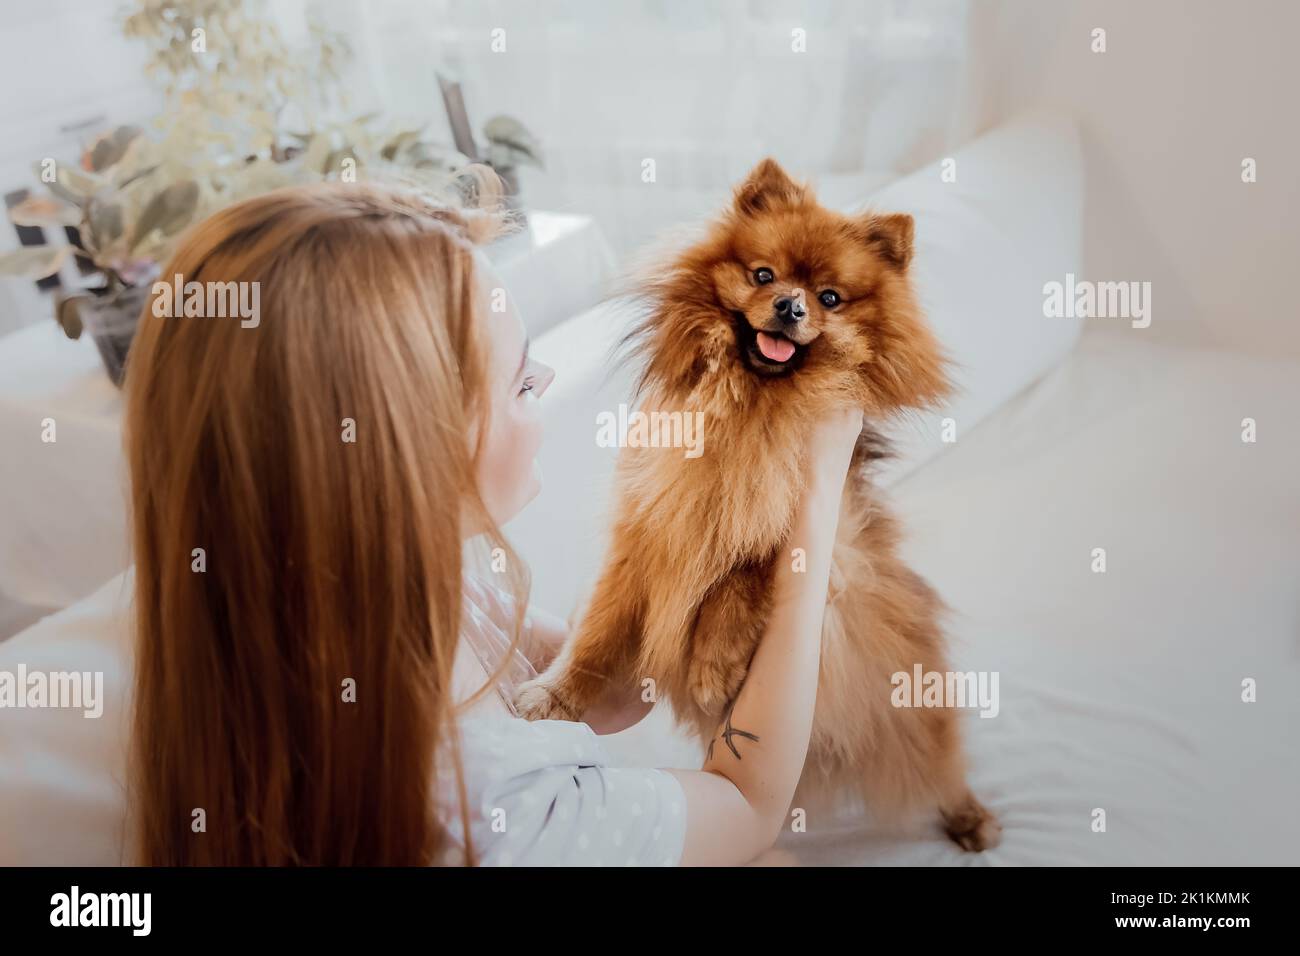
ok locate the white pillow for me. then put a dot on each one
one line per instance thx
(985, 245)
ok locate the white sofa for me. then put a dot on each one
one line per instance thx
(1120, 691)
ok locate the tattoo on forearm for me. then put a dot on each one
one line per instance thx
(728, 732)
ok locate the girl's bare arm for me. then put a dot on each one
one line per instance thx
(737, 803)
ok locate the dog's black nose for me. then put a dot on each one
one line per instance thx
(790, 309)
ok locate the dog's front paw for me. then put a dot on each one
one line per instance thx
(537, 699)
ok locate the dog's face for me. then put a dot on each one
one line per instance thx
(787, 295)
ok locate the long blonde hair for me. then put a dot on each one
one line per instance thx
(298, 493)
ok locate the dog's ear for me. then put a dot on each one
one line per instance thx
(766, 187)
(890, 234)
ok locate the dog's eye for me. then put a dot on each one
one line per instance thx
(763, 276)
(829, 298)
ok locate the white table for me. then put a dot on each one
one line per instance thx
(63, 504)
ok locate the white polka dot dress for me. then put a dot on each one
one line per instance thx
(542, 793)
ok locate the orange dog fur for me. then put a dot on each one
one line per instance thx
(740, 327)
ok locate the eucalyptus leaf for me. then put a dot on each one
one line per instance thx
(67, 312)
(434, 156)
(167, 212)
(399, 142)
(110, 149)
(42, 211)
(139, 158)
(317, 153)
(70, 183)
(33, 262)
(509, 132)
(137, 175)
(106, 224)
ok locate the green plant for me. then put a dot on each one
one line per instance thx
(244, 114)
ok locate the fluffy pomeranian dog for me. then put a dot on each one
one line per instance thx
(783, 309)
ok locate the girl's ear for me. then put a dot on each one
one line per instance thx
(766, 187)
(890, 234)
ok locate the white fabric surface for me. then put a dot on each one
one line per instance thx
(1119, 690)
(62, 775)
(63, 531)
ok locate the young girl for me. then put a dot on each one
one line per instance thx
(315, 665)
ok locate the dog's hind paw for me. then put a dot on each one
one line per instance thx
(972, 826)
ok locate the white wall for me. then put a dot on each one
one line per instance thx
(1186, 89)
(705, 89)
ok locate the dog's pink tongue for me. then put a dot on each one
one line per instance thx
(778, 350)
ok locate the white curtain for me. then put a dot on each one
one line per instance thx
(704, 89)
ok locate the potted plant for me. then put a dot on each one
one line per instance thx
(244, 115)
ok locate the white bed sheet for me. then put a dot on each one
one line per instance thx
(1120, 690)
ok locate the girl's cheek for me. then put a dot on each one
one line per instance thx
(531, 424)
(531, 438)
(523, 442)
(525, 417)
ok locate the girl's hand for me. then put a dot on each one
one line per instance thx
(830, 447)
